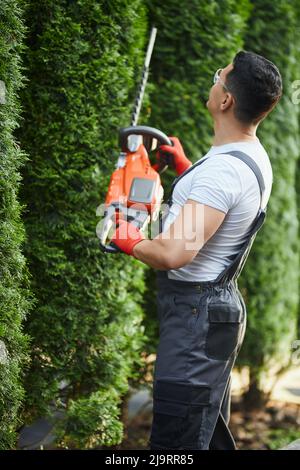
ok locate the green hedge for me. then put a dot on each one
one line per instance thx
(296, 99)
(194, 40)
(270, 278)
(83, 60)
(14, 294)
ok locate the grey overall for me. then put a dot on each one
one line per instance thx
(201, 330)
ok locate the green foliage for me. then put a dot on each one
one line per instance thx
(270, 278)
(279, 438)
(84, 425)
(194, 40)
(296, 99)
(14, 294)
(82, 62)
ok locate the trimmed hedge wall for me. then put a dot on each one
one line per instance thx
(83, 60)
(15, 299)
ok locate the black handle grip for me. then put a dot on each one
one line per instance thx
(167, 158)
(148, 133)
(111, 248)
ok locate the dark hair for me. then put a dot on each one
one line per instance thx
(256, 85)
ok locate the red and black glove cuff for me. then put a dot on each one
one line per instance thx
(126, 236)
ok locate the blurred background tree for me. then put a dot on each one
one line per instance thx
(271, 275)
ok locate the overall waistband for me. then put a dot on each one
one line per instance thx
(163, 282)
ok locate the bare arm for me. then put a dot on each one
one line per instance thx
(194, 226)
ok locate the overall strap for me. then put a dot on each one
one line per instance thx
(253, 166)
(191, 168)
(238, 260)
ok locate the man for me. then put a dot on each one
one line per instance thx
(216, 207)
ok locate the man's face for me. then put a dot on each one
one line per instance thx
(217, 92)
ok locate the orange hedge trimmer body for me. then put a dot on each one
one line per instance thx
(135, 192)
(136, 183)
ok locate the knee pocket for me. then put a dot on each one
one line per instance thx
(178, 413)
(224, 329)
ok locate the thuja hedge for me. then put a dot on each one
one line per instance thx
(14, 294)
(82, 62)
(194, 40)
(270, 278)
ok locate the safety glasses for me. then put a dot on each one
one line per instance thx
(217, 78)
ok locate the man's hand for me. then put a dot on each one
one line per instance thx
(126, 236)
(173, 156)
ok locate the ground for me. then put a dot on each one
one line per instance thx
(272, 427)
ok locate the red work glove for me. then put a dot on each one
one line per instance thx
(126, 236)
(174, 156)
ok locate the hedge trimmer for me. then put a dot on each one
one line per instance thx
(135, 192)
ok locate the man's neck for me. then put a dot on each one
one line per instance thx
(227, 132)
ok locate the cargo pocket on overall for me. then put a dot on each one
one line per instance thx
(177, 413)
(223, 330)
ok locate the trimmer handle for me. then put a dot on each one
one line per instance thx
(148, 134)
(111, 248)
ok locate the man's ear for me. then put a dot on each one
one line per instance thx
(227, 101)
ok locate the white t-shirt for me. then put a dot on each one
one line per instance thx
(229, 185)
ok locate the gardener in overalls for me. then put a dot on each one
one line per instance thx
(215, 209)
